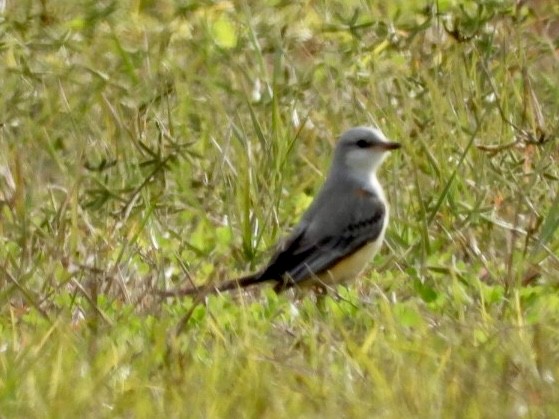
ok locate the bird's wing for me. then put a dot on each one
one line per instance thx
(313, 248)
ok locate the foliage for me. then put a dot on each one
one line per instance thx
(148, 144)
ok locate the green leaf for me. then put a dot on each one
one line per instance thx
(224, 33)
(407, 316)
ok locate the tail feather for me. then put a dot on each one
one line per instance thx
(238, 283)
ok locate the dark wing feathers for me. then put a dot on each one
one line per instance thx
(287, 255)
(305, 254)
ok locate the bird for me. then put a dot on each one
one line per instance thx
(341, 230)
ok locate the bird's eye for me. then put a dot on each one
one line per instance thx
(362, 144)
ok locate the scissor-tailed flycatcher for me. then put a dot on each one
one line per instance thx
(341, 230)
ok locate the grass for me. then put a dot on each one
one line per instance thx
(148, 144)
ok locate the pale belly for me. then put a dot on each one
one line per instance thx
(350, 267)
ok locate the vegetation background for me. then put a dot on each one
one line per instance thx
(148, 143)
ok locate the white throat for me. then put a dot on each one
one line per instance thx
(363, 165)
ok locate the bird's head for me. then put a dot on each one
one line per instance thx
(361, 150)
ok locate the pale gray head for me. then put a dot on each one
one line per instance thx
(361, 150)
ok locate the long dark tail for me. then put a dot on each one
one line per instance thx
(233, 284)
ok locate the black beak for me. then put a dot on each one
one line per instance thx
(389, 146)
